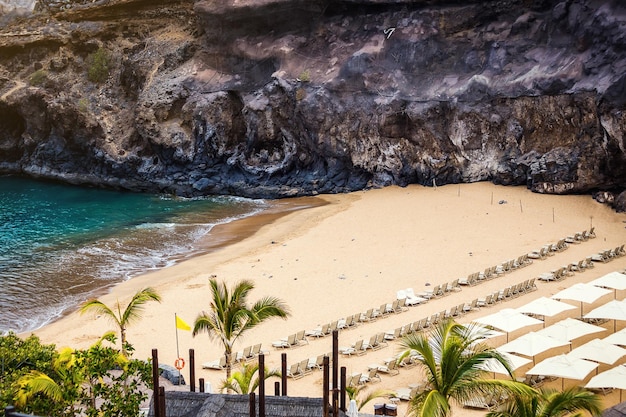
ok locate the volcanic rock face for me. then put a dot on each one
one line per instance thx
(274, 98)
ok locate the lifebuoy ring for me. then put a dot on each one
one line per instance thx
(179, 363)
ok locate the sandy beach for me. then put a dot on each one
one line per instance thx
(348, 253)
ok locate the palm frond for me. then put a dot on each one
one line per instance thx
(36, 382)
(372, 395)
(269, 307)
(431, 404)
(98, 307)
(569, 401)
(136, 306)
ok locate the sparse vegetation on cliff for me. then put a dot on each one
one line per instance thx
(99, 63)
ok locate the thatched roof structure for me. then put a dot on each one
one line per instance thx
(618, 410)
(195, 404)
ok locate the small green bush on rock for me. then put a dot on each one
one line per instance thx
(98, 63)
(38, 77)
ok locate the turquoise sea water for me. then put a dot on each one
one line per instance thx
(61, 244)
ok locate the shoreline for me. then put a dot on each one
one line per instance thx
(221, 236)
(354, 252)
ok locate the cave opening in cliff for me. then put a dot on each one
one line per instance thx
(12, 125)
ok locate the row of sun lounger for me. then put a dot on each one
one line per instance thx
(508, 293)
(307, 366)
(246, 355)
(408, 297)
(582, 265)
(391, 366)
(496, 270)
(490, 401)
(608, 254)
(296, 339)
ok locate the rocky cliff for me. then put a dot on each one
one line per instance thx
(275, 98)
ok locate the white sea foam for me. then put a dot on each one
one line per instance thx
(62, 275)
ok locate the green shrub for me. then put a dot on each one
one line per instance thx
(83, 105)
(300, 94)
(98, 63)
(305, 76)
(38, 77)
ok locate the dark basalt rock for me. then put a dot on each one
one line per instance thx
(277, 98)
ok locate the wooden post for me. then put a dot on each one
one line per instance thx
(335, 372)
(155, 383)
(201, 381)
(342, 397)
(261, 385)
(325, 382)
(192, 370)
(161, 401)
(252, 403)
(283, 375)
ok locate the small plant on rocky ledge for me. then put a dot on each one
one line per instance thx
(300, 94)
(304, 76)
(38, 77)
(98, 63)
(83, 105)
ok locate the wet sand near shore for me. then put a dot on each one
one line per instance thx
(354, 253)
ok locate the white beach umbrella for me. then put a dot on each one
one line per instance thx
(507, 320)
(617, 338)
(598, 350)
(613, 378)
(494, 366)
(562, 366)
(545, 306)
(585, 293)
(479, 331)
(569, 329)
(352, 411)
(613, 310)
(531, 344)
(613, 280)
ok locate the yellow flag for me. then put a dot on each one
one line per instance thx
(180, 324)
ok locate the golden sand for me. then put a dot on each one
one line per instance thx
(354, 253)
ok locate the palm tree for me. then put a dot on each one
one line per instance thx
(551, 403)
(452, 355)
(229, 316)
(354, 393)
(65, 391)
(246, 380)
(123, 319)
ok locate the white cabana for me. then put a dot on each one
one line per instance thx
(570, 329)
(562, 366)
(507, 320)
(598, 350)
(613, 378)
(617, 338)
(613, 280)
(613, 310)
(494, 366)
(584, 293)
(544, 306)
(532, 344)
